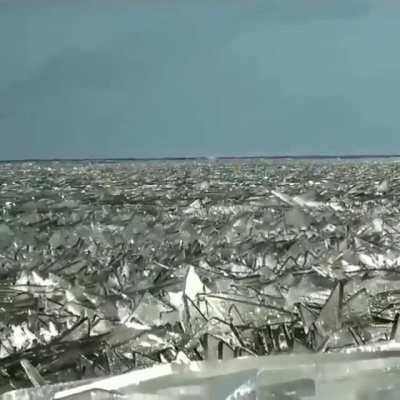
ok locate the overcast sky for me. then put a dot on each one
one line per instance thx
(155, 78)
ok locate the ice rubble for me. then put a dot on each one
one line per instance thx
(111, 267)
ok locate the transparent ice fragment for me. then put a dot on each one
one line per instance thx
(330, 318)
(395, 332)
(6, 236)
(307, 291)
(246, 391)
(193, 285)
(32, 373)
(203, 186)
(283, 197)
(195, 207)
(49, 332)
(297, 218)
(342, 338)
(307, 317)
(383, 187)
(21, 337)
(295, 389)
(67, 204)
(369, 261)
(150, 310)
(57, 240)
(356, 310)
(31, 219)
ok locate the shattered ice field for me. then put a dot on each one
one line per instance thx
(106, 267)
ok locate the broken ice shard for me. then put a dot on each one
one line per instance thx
(6, 236)
(329, 319)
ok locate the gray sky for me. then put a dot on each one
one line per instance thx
(154, 78)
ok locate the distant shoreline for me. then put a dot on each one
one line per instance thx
(204, 158)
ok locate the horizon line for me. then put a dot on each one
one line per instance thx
(210, 158)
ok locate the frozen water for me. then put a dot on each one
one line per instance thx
(109, 267)
(6, 236)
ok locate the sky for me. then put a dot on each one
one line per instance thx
(174, 78)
